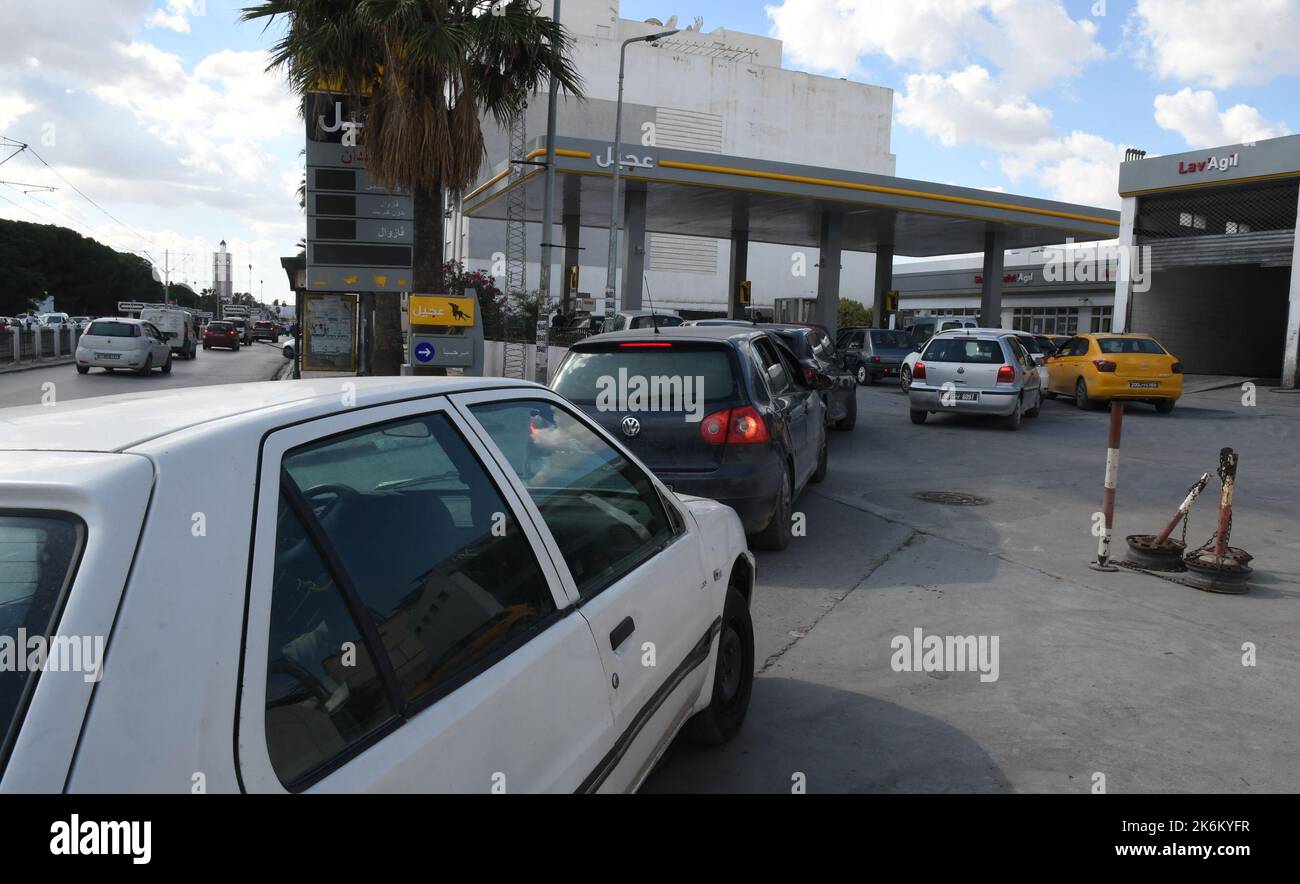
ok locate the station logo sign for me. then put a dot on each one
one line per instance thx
(440, 310)
(1209, 164)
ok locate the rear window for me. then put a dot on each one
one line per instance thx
(964, 350)
(220, 326)
(112, 329)
(38, 553)
(1129, 345)
(795, 340)
(895, 340)
(661, 371)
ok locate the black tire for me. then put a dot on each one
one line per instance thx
(863, 376)
(167, 366)
(733, 677)
(850, 419)
(819, 474)
(905, 380)
(83, 369)
(776, 536)
(1081, 395)
(1038, 405)
(1165, 406)
(147, 368)
(236, 347)
(919, 415)
(1012, 421)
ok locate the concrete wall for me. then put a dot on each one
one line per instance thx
(1217, 320)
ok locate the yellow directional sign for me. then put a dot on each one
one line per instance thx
(441, 310)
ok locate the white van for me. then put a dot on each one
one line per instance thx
(180, 327)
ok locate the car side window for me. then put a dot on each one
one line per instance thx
(400, 572)
(778, 377)
(602, 509)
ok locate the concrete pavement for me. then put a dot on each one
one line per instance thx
(1121, 675)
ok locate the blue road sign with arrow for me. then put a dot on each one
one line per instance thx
(424, 351)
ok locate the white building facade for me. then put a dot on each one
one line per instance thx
(720, 92)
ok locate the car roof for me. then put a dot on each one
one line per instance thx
(118, 423)
(683, 333)
(967, 332)
(127, 319)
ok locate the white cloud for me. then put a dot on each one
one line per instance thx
(1077, 168)
(967, 106)
(176, 17)
(1032, 42)
(1195, 115)
(1217, 43)
(13, 106)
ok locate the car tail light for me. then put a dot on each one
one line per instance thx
(637, 345)
(918, 371)
(747, 426)
(714, 427)
(808, 373)
(1176, 368)
(1006, 375)
(135, 331)
(734, 426)
(875, 358)
(1104, 364)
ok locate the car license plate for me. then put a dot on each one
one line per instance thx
(108, 355)
(1144, 385)
(968, 397)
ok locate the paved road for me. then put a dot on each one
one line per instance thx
(259, 362)
(1123, 674)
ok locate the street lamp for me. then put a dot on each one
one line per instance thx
(611, 265)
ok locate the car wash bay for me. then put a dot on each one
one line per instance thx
(1219, 242)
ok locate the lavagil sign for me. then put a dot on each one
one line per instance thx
(1210, 164)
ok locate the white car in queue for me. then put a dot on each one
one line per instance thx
(130, 344)
(391, 585)
(979, 371)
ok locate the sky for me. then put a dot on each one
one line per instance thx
(161, 112)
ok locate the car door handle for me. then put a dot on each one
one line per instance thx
(621, 633)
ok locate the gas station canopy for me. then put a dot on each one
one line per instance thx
(700, 194)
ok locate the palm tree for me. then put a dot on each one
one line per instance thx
(430, 70)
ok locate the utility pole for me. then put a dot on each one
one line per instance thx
(542, 354)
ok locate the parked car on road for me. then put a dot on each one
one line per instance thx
(922, 328)
(1094, 368)
(633, 319)
(450, 586)
(976, 371)
(220, 333)
(817, 355)
(80, 322)
(874, 353)
(129, 344)
(61, 320)
(265, 331)
(722, 412)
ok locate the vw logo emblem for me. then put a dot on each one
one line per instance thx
(631, 426)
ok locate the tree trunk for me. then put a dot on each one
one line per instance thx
(426, 270)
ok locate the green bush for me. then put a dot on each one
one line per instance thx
(852, 312)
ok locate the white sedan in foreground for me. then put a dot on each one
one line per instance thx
(355, 585)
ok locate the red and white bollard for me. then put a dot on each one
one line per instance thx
(1108, 495)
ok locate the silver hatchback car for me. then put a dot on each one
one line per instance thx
(976, 371)
(123, 344)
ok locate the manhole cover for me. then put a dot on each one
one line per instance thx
(951, 498)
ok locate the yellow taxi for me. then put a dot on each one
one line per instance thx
(1096, 367)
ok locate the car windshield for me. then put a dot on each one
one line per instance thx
(589, 373)
(37, 556)
(112, 329)
(1129, 345)
(974, 350)
(892, 340)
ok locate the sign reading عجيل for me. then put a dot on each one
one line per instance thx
(441, 310)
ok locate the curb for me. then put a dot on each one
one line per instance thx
(29, 366)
